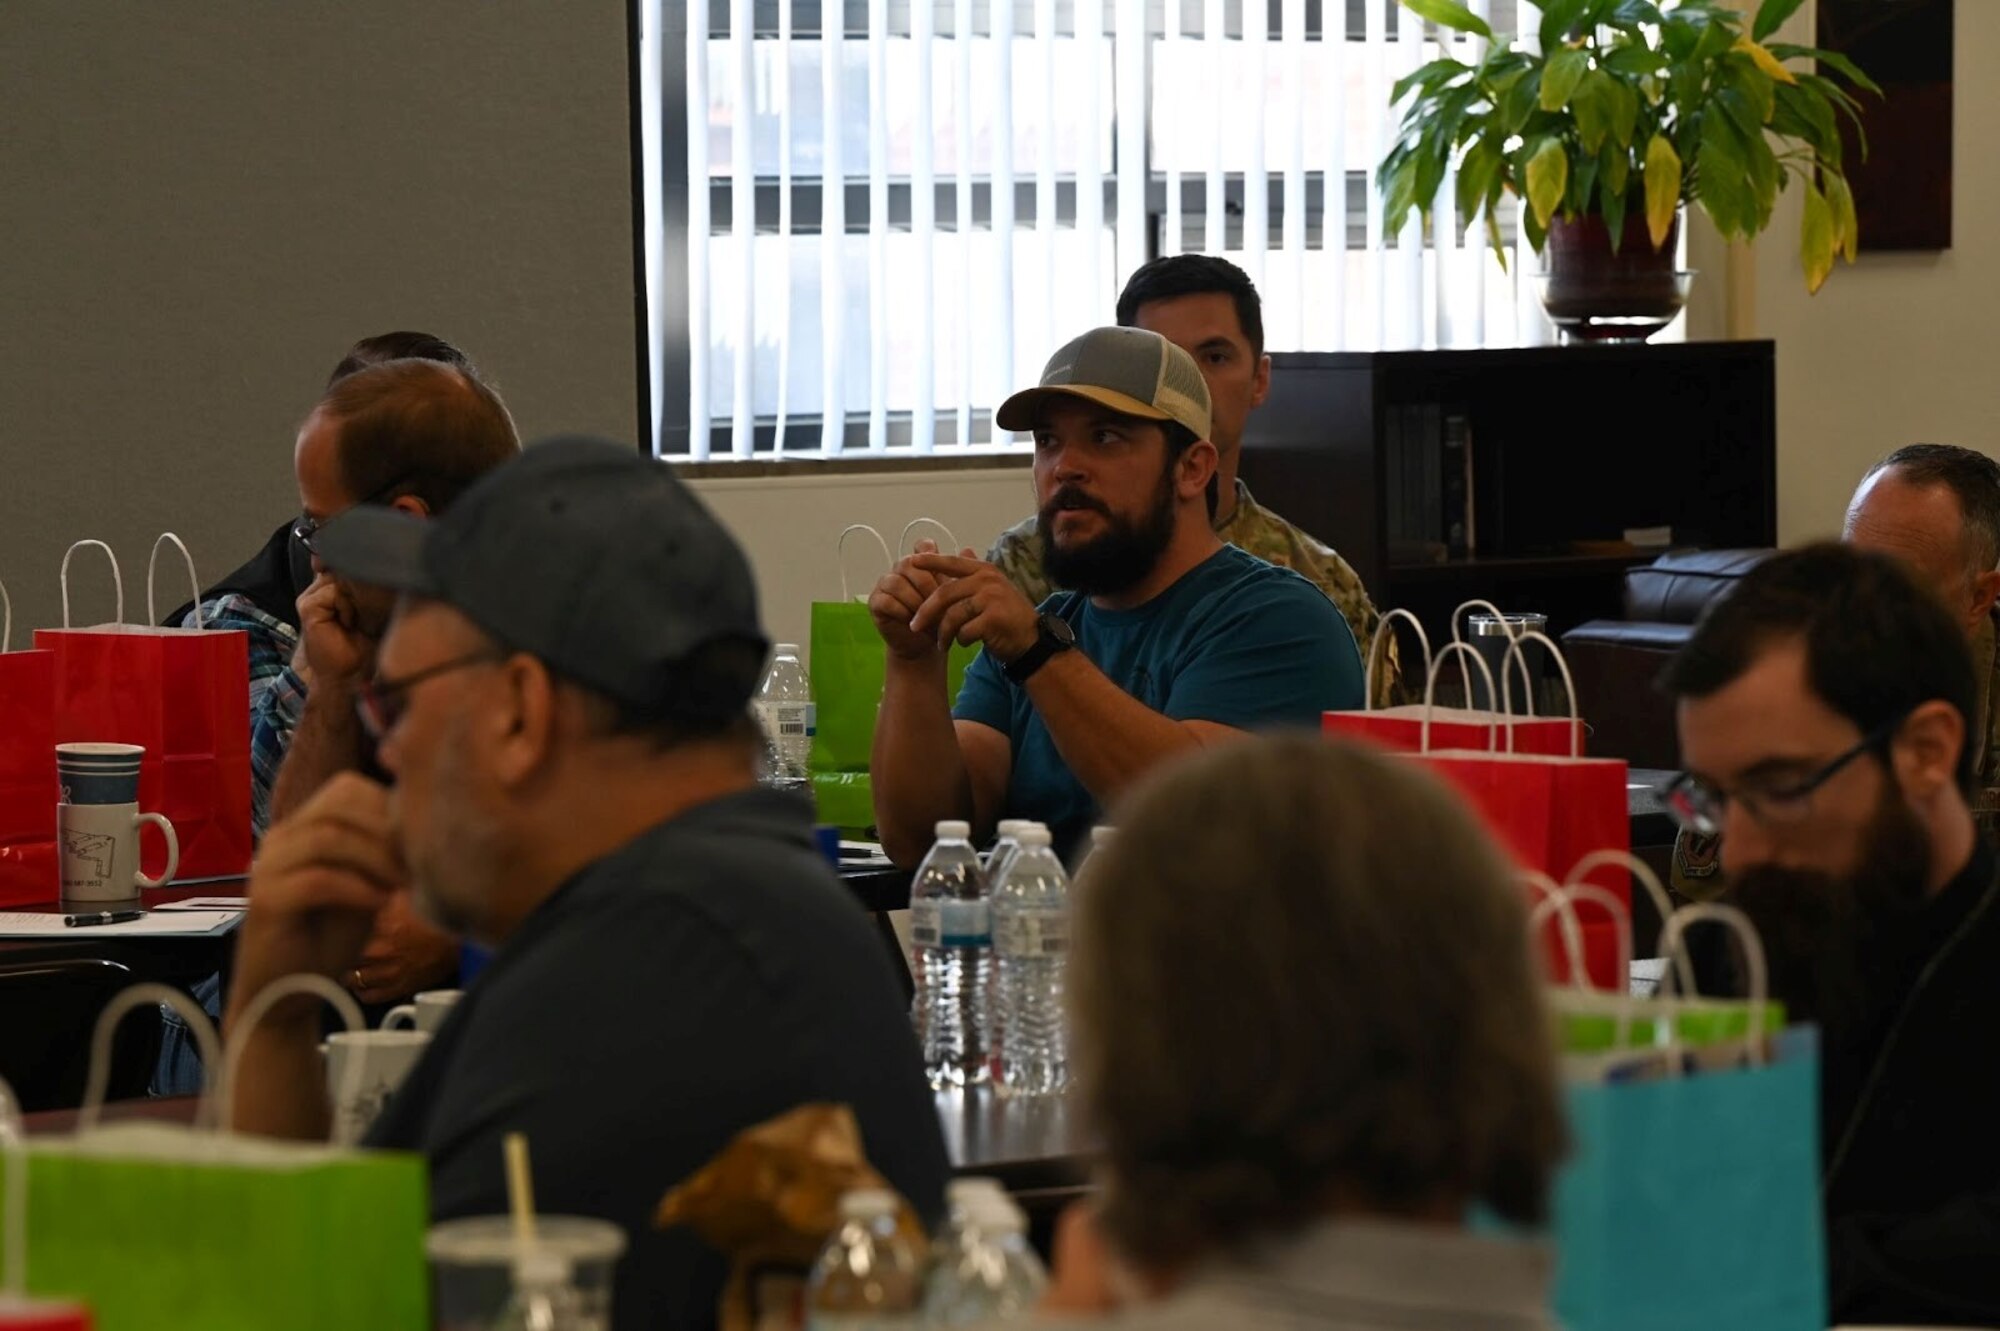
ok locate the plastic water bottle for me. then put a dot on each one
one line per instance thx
(982, 1268)
(785, 709)
(951, 945)
(1031, 951)
(868, 1275)
(1005, 843)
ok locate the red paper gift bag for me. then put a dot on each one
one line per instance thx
(184, 695)
(28, 870)
(1403, 728)
(1552, 812)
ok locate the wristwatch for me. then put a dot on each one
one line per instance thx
(1056, 636)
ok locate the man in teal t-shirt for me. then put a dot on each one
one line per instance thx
(1169, 641)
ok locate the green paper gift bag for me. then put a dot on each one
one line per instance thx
(164, 1227)
(847, 665)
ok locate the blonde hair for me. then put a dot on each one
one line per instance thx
(1302, 977)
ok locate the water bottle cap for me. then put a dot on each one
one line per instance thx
(995, 1212)
(1100, 837)
(953, 830)
(867, 1204)
(1013, 827)
(785, 649)
(1035, 837)
(961, 1193)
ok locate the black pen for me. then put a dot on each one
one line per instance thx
(103, 917)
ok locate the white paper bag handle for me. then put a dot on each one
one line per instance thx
(1477, 604)
(1383, 630)
(255, 1011)
(152, 565)
(117, 579)
(130, 1000)
(1514, 653)
(14, 1148)
(1642, 874)
(1673, 942)
(1430, 695)
(6, 620)
(840, 557)
(951, 545)
(1562, 904)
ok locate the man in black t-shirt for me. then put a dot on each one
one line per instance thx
(562, 704)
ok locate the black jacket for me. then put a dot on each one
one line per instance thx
(1912, 1185)
(272, 579)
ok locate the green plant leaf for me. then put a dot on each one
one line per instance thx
(1833, 60)
(1840, 198)
(1535, 231)
(1742, 115)
(1591, 105)
(1816, 239)
(1613, 206)
(1559, 19)
(1771, 16)
(1518, 106)
(1493, 237)
(1479, 178)
(1814, 119)
(1663, 188)
(1564, 72)
(1721, 178)
(1631, 13)
(1431, 77)
(1633, 60)
(1548, 177)
(1717, 37)
(1616, 169)
(1448, 14)
(1764, 61)
(1624, 110)
(1582, 180)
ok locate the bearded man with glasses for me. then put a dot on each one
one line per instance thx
(1824, 713)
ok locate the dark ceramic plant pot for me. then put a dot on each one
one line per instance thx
(1592, 293)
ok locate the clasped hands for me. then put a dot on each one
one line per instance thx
(931, 600)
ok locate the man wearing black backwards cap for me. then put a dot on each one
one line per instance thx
(561, 701)
(1169, 640)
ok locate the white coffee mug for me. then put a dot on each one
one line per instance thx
(100, 853)
(386, 1058)
(425, 1011)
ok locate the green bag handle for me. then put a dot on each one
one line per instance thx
(14, 1148)
(840, 557)
(285, 987)
(1560, 900)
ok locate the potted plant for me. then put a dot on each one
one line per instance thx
(1629, 110)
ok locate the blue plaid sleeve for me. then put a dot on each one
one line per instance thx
(277, 694)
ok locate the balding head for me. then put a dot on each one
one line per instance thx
(417, 427)
(1937, 509)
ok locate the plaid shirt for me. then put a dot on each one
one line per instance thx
(277, 694)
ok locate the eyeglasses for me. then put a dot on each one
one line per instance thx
(381, 702)
(1700, 807)
(307, 528)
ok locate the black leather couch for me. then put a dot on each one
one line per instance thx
(1615, 661)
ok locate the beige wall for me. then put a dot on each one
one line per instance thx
(1897, 348)
(203, 204)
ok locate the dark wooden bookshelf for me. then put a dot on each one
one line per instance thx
(1570, 446)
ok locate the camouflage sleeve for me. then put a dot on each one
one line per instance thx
(1018, 554)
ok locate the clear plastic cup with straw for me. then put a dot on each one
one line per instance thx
(553, 1273)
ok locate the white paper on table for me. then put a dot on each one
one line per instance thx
(205, 903)
(183, 923)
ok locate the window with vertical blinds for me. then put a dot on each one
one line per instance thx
(889, 212)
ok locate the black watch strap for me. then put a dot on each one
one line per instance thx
(1056, 636)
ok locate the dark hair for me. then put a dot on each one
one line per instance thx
(1193, 275)
(1877, 643)
(402, 345)
(708, 698)
(1973, 479)
(419, 428)
(1302, 977)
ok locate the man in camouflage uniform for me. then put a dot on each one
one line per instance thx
(1936, 507)
(1210, 309)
